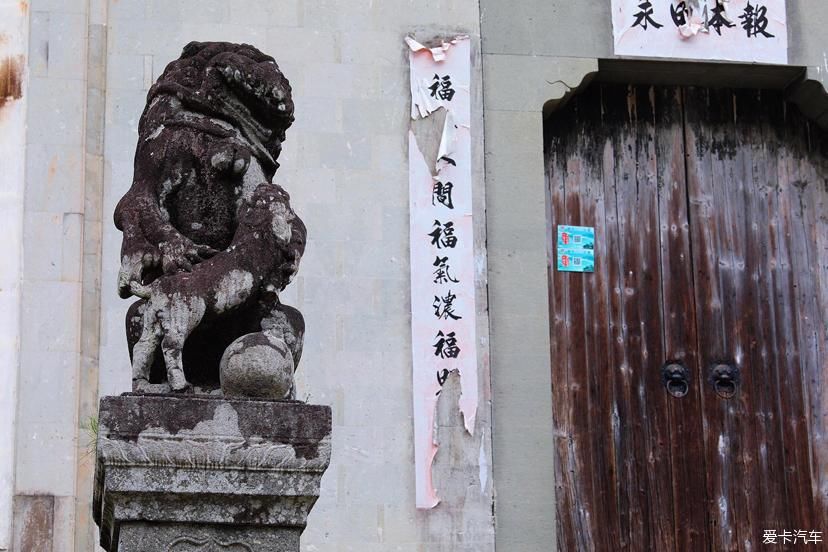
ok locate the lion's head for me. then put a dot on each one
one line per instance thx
(235, 83)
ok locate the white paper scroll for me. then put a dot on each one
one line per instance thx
(442, 249)
(728, 30)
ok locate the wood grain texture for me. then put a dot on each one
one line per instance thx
(687, 450)
(711, 214)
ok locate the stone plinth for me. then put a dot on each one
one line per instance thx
(190, 473)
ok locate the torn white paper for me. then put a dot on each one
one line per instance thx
(727, 30)
(443, 309)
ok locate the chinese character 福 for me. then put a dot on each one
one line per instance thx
(446, 346)
(443, 235)
(442, 88)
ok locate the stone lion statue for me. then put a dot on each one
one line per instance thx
(209, 241)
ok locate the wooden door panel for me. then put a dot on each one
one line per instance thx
(614, 438)
(580, 500)
(756, 159)
(717, 195)
(746, 167)
(800, 180)
(711, 215)
(637, 197)
(687, 450)
(811, 226)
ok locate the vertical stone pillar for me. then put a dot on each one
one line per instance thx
(197, 473)
(14, 29)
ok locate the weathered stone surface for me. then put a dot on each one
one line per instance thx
(210, 471)
(208, 240)
(184, 537)
(257, 365)
(34, 522)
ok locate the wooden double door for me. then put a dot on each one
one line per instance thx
(690, 370)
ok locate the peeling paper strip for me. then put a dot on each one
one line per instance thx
(693, 39)
(429, 66)
(425, 63)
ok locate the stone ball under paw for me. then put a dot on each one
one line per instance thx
(257, 366)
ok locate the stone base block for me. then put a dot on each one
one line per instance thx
(190, 537)
(199, 473)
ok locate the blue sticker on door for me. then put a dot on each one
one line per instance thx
(576, 248)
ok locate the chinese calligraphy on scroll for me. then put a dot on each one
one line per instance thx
(442, 250)
(728, 30)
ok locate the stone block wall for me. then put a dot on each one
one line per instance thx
(91, 64)
(88, 65)
(14, 25)
(345, 166)
(48, 445)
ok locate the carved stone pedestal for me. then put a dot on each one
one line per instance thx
(203, 474)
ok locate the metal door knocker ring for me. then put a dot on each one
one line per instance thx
(725, 380)
(676, 379)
